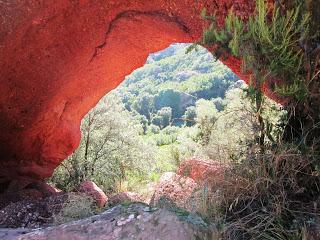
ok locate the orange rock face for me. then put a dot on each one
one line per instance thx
(202, 171)
(59, 57)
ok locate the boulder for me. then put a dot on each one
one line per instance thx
(124, 197)
(202, 171)
(137, 221)
(49, 188)
(91, 189)
(173, 191)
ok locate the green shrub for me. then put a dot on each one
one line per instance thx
(153, 129)
(268, 46)
(154, 176)
(165, 139)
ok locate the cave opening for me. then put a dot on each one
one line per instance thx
(178, 106)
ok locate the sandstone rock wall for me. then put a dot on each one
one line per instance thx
(59, 57)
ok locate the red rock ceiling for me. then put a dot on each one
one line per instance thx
(59, 57)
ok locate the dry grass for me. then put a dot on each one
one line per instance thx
(77, 206)
(271, 196)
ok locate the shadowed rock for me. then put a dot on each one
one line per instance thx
(137, 221)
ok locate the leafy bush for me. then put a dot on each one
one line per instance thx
(165, 139)
(236, 127)
(153, 129)
(269, 47)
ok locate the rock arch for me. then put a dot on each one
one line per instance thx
(59, 57)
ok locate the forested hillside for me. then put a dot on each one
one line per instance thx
(171, 81)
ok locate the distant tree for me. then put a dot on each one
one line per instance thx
(219, 103)
(169, 98)
(153, 129)
(144, 104)
(156, 120)
(163, 117)
(143, 120)
(189, 116)
(216, 85)
(206, 113)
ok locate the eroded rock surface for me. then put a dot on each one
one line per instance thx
(59, 57)
(173, 191)
(137, 221)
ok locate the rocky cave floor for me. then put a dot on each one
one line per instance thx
(169, 214)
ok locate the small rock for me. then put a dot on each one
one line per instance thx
(174, 190)
(91, 189)
(202, 171)
(124, 197)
